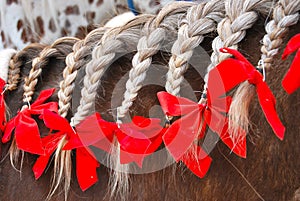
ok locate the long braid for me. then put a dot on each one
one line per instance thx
(201, 19)
(149, 45)
(285, 14)
(74, 61)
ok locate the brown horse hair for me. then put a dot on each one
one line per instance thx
(285, 14)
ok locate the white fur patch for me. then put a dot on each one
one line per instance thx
(120, 20)
(5, 57)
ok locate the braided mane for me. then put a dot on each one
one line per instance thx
(86, 72)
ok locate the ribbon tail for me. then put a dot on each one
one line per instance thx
(40, 166)
(181, 134)
(2, 113)
(10, 126)
(28, 136)
(198, 163)
(86, 168)
(293, 45)
(267, 103)
(291, 81)
(50, 143)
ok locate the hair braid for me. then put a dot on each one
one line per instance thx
(75, 60)
(114, 41)
(149, 45)
(285, 14)
(17, 62)
(200, 20)
(241, 15)
(42, 60)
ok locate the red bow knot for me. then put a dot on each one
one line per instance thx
(291, 81)
(255, 77)
(86, 163)
(138, 139)
(27, 133)
(244, 70)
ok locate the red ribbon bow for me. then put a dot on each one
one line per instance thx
(291, 81)
(27, 133)
(194, 121)
(86, 163)
(266, 98)
(2, 106)
(138, 139)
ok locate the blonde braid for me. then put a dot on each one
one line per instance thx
(241, 15)
(18, 61)
(113, 41)
(43, 59)
(74, 61)
(201, 19)
(149, 45)
(285, 14)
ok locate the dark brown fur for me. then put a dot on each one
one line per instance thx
(272, 166)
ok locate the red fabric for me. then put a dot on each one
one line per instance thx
(291, 81)
(86, 166)
(2, 106)
(138, 139)
(26, 130)
(86, 163)
(266, 98)
(198, 163)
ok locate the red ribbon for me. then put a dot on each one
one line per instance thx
(266, 98)
(194, 121)
(2, 106)
(291, 81)
(27, 133)
(86, 163)
(138, 139)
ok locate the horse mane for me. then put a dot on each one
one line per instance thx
(110, 66)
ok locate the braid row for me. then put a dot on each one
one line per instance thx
(149, 45)
(201, 19)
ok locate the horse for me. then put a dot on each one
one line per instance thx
(114, 61)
